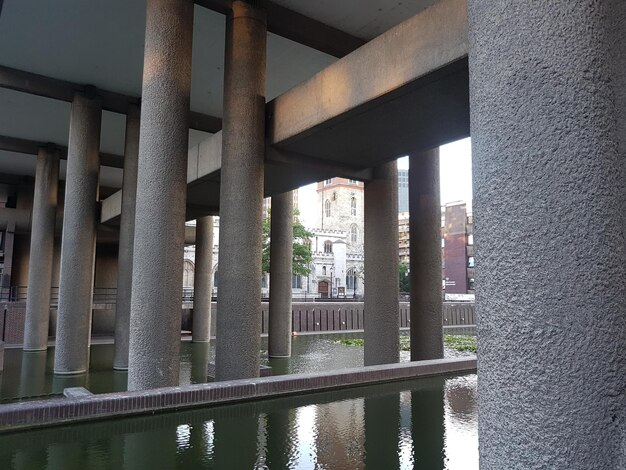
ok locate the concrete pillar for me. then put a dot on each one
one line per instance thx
(548, 89)
(42, 250)
(203, 281)
(161, 196)
(381, 303)
(78, 244)
(241, 194)
(127, 238)
(425, 256)
(281, 260)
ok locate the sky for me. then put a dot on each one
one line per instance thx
(455, 161)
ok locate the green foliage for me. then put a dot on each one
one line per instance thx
(461, 343)
(405, 280)
(302, 256)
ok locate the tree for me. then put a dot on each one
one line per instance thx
(405, 280)
(302, 256)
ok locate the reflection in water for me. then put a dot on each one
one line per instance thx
(61, 382)
(382, 428)
(421, 424)
(33, 374)
(427, 425)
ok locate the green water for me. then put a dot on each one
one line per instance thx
(31, 374)
(421, 424)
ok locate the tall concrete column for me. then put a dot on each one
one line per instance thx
(547, 83)
(78, 244)
(381, 303)
(127, 238)
(203, 281)
(425, 256)
(281, 261)
(241, 194)
(161, 196)
(42, 250)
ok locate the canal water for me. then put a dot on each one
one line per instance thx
(420, 424)
(30, 375)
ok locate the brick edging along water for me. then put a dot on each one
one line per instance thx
(26, 415)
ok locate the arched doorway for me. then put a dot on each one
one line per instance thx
(322, 289)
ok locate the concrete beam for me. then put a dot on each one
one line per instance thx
(416, 92)
(298, 28)
(40, 85)
(31, 147)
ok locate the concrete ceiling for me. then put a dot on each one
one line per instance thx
(101, 44)
(365, 19)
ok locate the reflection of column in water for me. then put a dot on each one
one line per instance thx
(235, 441)
(27, 458)
(33, 374)
(150, 450)
(199, 361)
(279, 439)
(120, 380)
(279, 365)
(382, 429)
(61, 382)
(427, 426)
(66, 456)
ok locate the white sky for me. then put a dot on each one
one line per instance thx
(455, 161)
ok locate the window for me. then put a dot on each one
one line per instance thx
(215, 278)
(470, 262)
(470, 283)
(353, 206)
(296, 282)
(327, 208)
(351, 279)
(188, 272)
(328, 246)
(353, 233)
(328, 182)
(323, 270)
(353, 181)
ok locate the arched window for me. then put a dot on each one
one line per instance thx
(351, 279)
(354, 234)
(188, 269)
(328, 246)
(323, 270)
(353, 206)
(327, 208)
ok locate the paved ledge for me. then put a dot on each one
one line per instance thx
(25, 415)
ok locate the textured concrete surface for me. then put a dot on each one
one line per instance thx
(54, 412)
(203, 280)
(127, 239)
(425, 256)
(78, 245)
(281, 263)
(241, 194)
(547, 87)
(382, 339)
(161, 196)
(42, 250)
